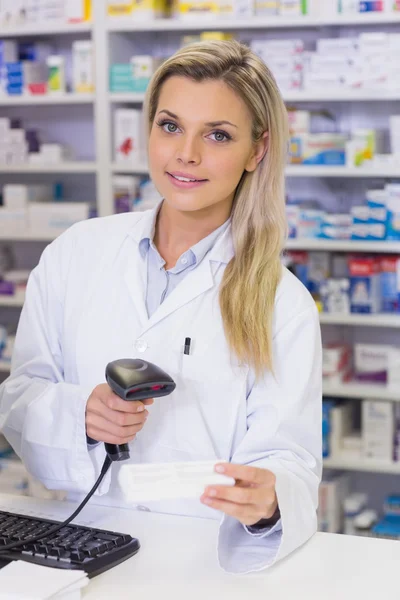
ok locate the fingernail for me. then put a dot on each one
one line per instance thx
(220, 468)
(140, 408)
(212, 492)
(207, 501)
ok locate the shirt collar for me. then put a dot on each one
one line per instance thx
(195, 254)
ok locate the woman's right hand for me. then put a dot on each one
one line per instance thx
(113, 420)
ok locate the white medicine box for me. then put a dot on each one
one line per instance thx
(128, 136)
(377, 430)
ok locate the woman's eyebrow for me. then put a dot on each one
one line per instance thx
(219, 123)
(211, 124)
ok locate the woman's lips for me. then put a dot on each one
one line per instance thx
(185, 185)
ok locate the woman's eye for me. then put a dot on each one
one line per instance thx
(170, 127)
(220, 136)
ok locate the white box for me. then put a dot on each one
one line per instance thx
(15, 136)
(83, 79)
(5, 126)
(128, 135)
(8, 51)
(331, 495)
(291, 8)
(53, 153)
(378, 358)
(394, 122)
(267, 48)
(17, 197)
(75, 10)
(347, 45)
(55, 217)
(377, 430)
(13, 221)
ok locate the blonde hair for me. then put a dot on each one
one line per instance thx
(248, 288)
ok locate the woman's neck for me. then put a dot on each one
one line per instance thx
(177, 231)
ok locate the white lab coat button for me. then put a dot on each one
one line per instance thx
(184, 261)
(141, 345)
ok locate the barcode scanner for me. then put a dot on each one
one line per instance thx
(135, 379)
(131, 379)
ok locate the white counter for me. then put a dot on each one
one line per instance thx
(177, 561)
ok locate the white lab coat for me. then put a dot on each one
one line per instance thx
(85, 306)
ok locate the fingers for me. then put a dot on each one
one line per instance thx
(116, 403)
(111, 419)
(98, 428)
(123, 419)
(238, 495)
(248, 514)
(247, 474)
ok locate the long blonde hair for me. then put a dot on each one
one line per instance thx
(248, 288)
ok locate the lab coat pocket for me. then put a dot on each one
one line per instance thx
(214, 386)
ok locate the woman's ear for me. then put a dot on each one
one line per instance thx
(259, 151)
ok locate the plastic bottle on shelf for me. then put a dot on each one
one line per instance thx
(56, 77)
(352, 507)
(364, 522)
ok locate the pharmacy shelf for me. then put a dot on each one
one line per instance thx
(338, 95)
(17, 300)
(132, 170)
(362, 391)
(322, 171)
(46, 99)
(293, 96)
(211, 23)
(384, 247)
(385, 320)
(50, 28)
(366, 465)
(62, 167)
(302, 171)
(25, 237)
(127, 97)
(5, 366)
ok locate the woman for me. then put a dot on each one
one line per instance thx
(204, 265)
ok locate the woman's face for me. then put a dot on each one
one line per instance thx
(200, 144)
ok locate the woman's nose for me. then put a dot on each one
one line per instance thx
(188, 151)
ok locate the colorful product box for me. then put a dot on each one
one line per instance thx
(266, 7)
(291, 8)
(336, 227)
(299, 265)
(318, 149)
(364, 285)
(390, 300)
(374, 6)
(319, 266)
(309, 225)
(393, 211)
(377, 206)
(292, 218)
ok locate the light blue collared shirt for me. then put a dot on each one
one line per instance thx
(161, 282)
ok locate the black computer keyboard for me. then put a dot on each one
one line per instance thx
(73, 547)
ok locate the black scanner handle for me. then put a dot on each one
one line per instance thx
(134, 379)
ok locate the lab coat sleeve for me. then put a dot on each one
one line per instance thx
(288, 406)
(41, 415)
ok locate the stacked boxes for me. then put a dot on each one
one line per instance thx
(375, 220)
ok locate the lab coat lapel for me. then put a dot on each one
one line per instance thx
(135, 275)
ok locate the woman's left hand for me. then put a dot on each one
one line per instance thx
(252, 498)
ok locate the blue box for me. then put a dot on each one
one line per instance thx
(15, 68)
(393, 212)
(371, 6)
